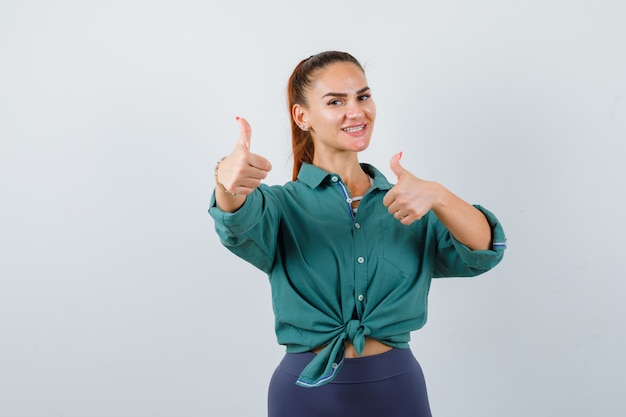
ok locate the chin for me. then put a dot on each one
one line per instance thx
(360, 145)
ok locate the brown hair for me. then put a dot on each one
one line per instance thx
(299, 81)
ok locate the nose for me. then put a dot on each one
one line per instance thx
(354, 111)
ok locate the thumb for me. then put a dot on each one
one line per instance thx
(245, 133)
(395, 165)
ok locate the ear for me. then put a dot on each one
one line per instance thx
(299, 115)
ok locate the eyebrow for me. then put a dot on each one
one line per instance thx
(361, 91)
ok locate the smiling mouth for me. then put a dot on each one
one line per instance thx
(354, 129)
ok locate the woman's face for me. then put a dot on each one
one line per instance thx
(340, 112)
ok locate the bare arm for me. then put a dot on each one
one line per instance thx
(466, 223)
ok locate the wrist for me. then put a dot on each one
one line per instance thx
(217, 180)
(442, 197)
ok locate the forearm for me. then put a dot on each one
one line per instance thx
(466, 223)
(228, 202)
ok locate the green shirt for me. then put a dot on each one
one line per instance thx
(337, 276)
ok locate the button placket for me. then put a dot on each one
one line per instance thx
(361, 268)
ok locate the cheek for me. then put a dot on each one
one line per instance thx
(331, 119)
(371, 112)
(324, 116)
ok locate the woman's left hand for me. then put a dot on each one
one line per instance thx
(411, 198)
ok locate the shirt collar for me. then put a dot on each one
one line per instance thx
(314, 176)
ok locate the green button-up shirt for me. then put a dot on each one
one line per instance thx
(337, 276)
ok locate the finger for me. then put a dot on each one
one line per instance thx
(395, 165)
(389, 198)
(407, 220)
(245, 133)
(259, 162)
(250, 182)
(394, 207)
(253, 173)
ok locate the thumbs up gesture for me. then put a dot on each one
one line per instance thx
(242, 171)
(411, 198)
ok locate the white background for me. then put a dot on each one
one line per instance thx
(116, 298)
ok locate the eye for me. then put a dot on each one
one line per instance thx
(335, 102)
(364, 97)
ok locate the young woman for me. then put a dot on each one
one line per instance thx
(350, 256)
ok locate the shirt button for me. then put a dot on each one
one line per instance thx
(360, 297)
(357, 225)
(335, 366)
(334, 179)
(348, 200)
(360, 259)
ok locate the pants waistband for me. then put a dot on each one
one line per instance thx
(358, 370)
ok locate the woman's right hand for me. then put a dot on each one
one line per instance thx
(240, 172)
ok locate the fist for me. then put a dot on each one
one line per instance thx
(242, 171)
(411, 198)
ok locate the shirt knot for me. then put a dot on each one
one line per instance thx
(324, 367)
(356, 333)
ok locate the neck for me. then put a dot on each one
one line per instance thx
(349, 169)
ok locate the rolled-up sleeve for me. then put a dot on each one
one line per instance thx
(456, 259)
(251, 231)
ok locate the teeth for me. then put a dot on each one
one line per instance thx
(354, 129)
